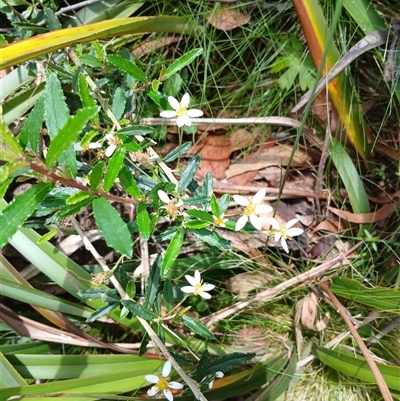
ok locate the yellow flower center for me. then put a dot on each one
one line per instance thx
(162, 384)
(181, 111)
(198, 288)
(219, 221)
(172, 211)
(249, 210)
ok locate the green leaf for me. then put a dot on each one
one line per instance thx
(136, 130)
(153, 284)
(168, 295)
(114, 229)
(9, 376)
(196, 200)
(109, 295)
(114, 167)
(139, 310)
(215, 206)
(90, 60)
(177, 152)
(69, 134)
(172, 251)
(72, 209)
(128, 181)
(128, 67)
(197, 327)
(227, 362)
(211, 238)
(131, 289)
(33, 126)
(84, 93)
(208, 185)
(52, 21)
(356, 366)
(350, 177)
(223, 203)
(48, 236)
(143, 344)
(143, 221)
(189, 172)
(10, 149)
(21, 207)
(201, 215)
(196, 224)
(119, 102)
(77, 197)
(56, 111)
(96, 175)
(202, 366)
(102, 311)
(183, 61)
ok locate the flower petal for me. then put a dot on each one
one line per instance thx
(291, 223)
(173, 102)
(274, 223)
(77, 146)
(184, 120)
(294, 232)
(219, 374)
(188, 290)
(205, 295)
(197, 277)
(263, 209)
(110, 150)
(152, 378)
(185, 100)
(163, 196)
(175, 385)
(207, 287)
(168, 114)
(168, 395)
(192, 280)
(210, 385)
(277, 236)
(241, 223)
(152, 391)
(241, 200)
(94, 145)
(259, 196)
(193, 113)
(256, 222)
(284, 245)
(166, 370)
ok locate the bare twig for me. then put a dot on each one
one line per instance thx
(376, 372)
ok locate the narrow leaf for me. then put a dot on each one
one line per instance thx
(102, 311)
(211, 238)
(136, 130)
(114, 167)
(215, 206)
(52, 21)
(114, 229)
(96, 175)
(143, 221)
(77, 197)
(69, 134)
(226, 362)
(72, 209)
(129, 183)
(153, 284)
(183, 61)
(172, 251)
(189, 172)
(84, 93)
(128, 67)
(119, 102)
(201, 215)
(197, 327)
(223, 203)
(21, 207)
(177, 152)
(168, 295)
(139, 310)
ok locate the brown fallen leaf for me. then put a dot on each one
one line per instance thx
(150, 45)
(226, 19)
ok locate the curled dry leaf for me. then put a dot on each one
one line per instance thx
(227, 19)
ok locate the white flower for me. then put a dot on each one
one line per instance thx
(161, 383)
(91, 145)
(218, 375)
(181, 111)
(172, 205)
(252, 209)
(219, 221)
(285, 232)
(197, 287)
(113, 143)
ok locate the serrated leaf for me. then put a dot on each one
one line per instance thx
(84, 93)
(72, 209)
(211, 238)
(196, 224)
(113, 228)
(153, 283)
(226, 362)
(102, 311)
(19, 209)
(201, 215)
(196, 200)
(208, 185)
(143, 221)
(223, 203)
(56, 111)
(202, 366)
(114, 167)
(136, 130)
(183, 61)
(69, 134)
(89, 59)
(168, 295)
(96, 175)
(197, 327)
(77, 197)
(52, 21)
(177, 152)
(33, 126)
(215, 206)
(105, 294)
(131, 289)
(128, 67)
(129, 183)
(119, 102)
(189, 172)
(139, 310)
(172, 251)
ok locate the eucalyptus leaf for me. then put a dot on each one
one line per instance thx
(114, 229)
